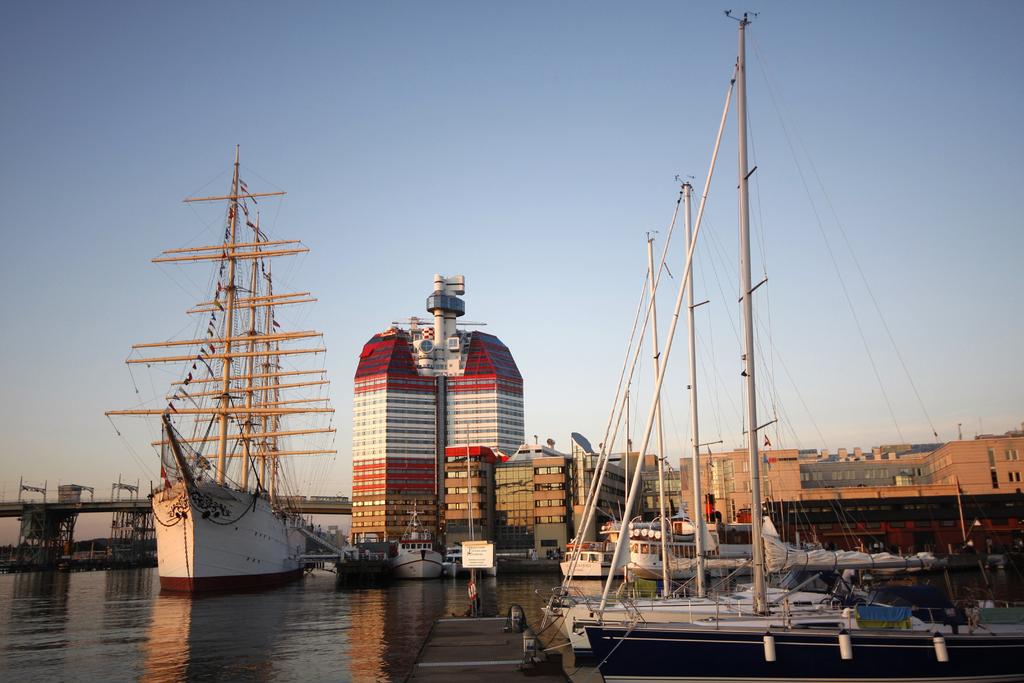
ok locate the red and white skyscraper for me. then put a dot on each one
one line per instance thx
(417, 390)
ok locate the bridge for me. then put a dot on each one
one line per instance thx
(318, 505)
(17, 508)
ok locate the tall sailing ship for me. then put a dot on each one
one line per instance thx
(246, 399)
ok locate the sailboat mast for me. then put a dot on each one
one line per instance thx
(631, 495)
(665, 574)
(698, 508)
(625, 458)
(225, 399)
(760, 588)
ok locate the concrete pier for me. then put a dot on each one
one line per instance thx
(474, 649)
(363, 572)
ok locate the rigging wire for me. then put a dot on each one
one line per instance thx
(718, 261)
(762, 243)
(860, 271)
(717, 401)
(131, 450)
(828, 247)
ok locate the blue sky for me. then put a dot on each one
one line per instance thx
(528, 146)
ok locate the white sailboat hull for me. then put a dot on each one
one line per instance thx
(676, 611)
(218, 539)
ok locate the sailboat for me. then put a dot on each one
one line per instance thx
(223, 519)
(864, 643)
(800, 591)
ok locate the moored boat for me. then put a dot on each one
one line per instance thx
(415, 555)
(246, 545)
(808, 650)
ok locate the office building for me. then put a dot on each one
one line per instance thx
(419, 388)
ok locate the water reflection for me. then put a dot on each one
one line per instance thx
(35, 634)
(165, 648)
(126, 608)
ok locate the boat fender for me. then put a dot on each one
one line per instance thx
(516, 619)
(845, 645)
(769, 647)
(941, 653)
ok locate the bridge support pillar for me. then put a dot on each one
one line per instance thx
(132, 537)
(45, 535)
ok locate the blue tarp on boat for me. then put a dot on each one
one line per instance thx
(883, 616)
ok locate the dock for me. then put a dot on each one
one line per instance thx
(480, 648)
(363, 572)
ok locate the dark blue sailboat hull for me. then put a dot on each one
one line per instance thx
(806, 655)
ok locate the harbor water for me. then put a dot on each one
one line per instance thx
(118, 626)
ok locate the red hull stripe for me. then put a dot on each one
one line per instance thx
(205, 584)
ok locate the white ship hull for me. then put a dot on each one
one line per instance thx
(586, 569)
(416, 564)
(218, 539)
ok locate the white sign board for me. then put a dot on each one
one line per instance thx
(477, 554)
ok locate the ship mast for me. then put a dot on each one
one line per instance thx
(760, 588)
(247, 394)
(273, 367)
(267, 369)
(251, 360)
(229, 318)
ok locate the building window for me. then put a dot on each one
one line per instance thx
(1014, 476)
(995, 479)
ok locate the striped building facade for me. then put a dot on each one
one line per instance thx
(418, 390)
